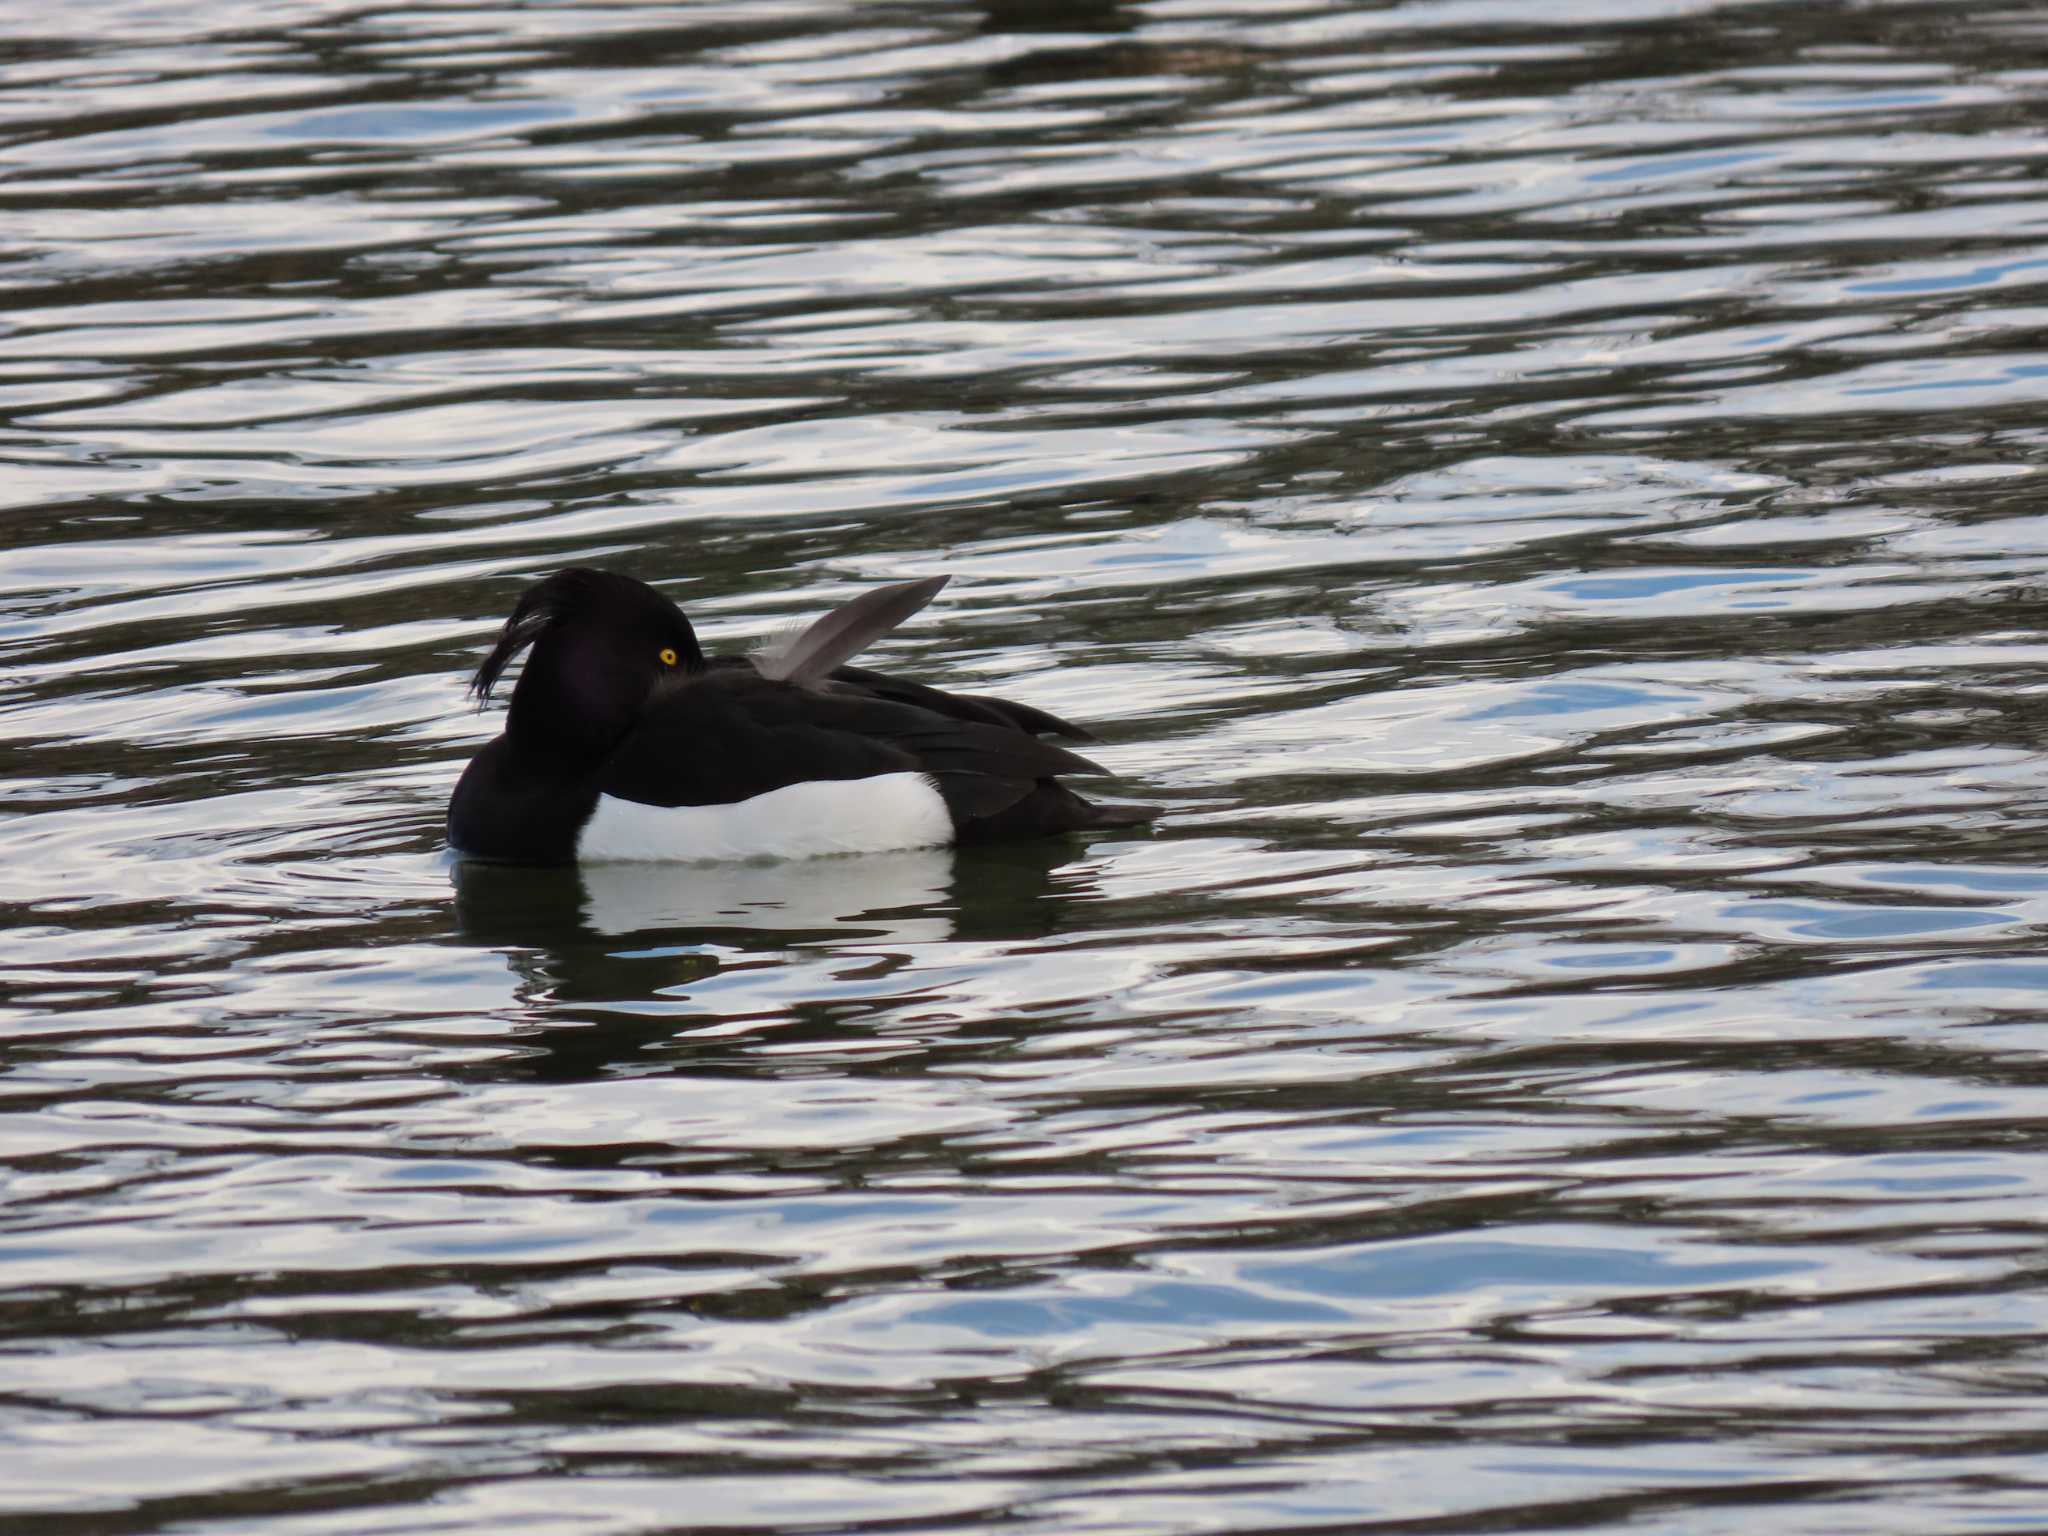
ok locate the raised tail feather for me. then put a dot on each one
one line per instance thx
(845, 632)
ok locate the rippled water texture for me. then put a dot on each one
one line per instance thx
(1545, 496)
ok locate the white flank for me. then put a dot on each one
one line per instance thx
(798, 821)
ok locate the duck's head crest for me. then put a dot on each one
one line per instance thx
(601, 642)
(587, 609)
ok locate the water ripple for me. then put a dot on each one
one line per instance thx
(1544, 503)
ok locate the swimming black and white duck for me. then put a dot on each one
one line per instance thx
(624, 741)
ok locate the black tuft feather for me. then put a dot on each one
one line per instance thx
(579, 592)
(529, 621)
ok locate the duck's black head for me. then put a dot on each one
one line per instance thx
(601, 645)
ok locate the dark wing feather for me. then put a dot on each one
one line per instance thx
(728, 734)
(963, 706)
(845, 631)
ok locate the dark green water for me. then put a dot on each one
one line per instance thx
(1547, 498)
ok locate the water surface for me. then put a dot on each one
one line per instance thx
(1546, 503)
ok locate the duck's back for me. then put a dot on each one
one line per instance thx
(729, 737)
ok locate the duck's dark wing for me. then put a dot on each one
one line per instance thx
(960, 706)
(728, 734)
(964, 706)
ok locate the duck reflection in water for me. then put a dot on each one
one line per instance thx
(620, 961)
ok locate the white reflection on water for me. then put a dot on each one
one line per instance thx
(892, 893)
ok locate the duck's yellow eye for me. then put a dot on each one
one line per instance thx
(668, 655)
